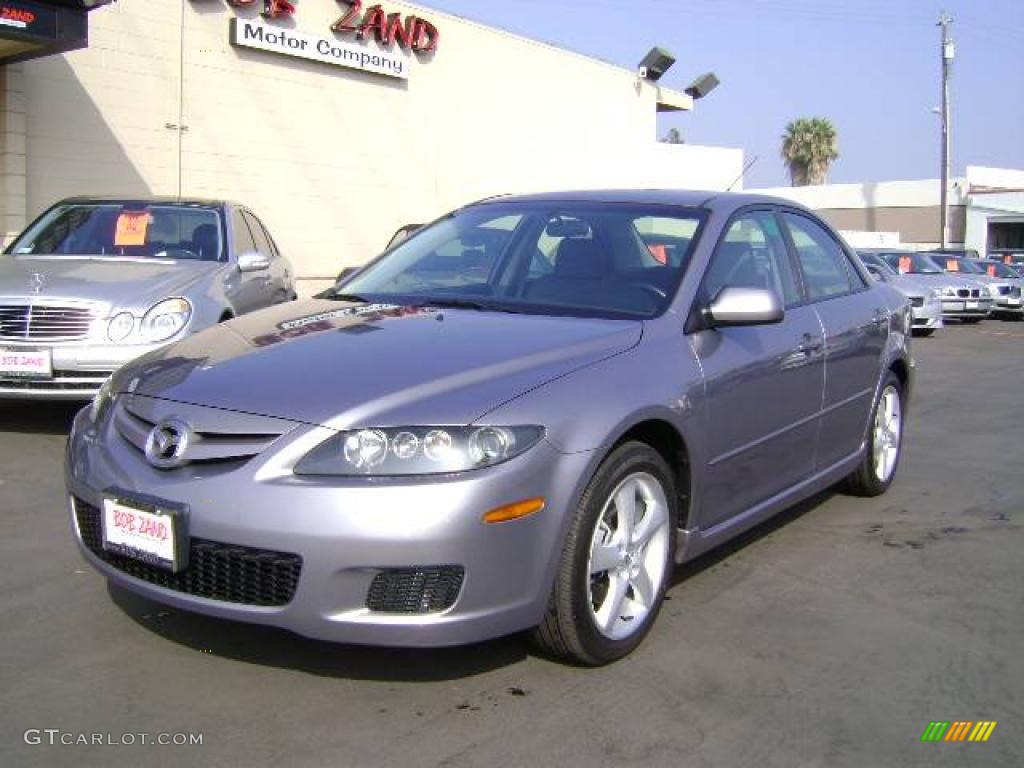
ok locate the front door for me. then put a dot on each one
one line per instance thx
(763, 384)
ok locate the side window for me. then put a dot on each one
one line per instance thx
(752, 254)
(241, 240)
(259, 236)
(822, 261)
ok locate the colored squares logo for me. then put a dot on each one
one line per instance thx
(958, 730)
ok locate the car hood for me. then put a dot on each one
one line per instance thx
(913, 285)
(345, 365)
(942, 279)
(123, 283)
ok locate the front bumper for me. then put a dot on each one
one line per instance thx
(926, 316)
(347, 531)
(958, 307)
(1009, 305)
(79, 369)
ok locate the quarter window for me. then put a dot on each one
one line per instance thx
(822, 261)
(258, 235)
(752, 254)
(240, 236)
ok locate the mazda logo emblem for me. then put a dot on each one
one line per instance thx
(167, 444)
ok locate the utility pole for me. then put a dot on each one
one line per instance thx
(948, 51)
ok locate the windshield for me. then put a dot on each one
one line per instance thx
(907, 262)
(585, 259)
(996, 269)
(873, 260)
(164, 231)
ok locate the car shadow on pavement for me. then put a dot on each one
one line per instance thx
(270, 646)
(745, 539)
(38, 418)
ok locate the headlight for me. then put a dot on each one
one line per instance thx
(101, 402)
(417, 450)
(949, 291)
(120, 326)
(166, 318)
(993, 292)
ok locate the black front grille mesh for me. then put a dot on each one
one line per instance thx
(427, 589)
(216, 571)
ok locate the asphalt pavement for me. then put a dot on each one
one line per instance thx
(831, 636)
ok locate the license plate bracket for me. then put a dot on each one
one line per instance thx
(145, 528)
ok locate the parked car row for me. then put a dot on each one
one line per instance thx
(943, 286)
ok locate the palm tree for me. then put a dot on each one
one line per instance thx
(673, 137)
(809, 146)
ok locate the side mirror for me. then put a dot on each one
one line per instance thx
(735, 305)
(346, 272)
(875, 272)
(252, 261)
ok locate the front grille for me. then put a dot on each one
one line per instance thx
(424, 589)
(975, 293)
(916, 301)
(215, 570)
(963, 293)
(34, 321)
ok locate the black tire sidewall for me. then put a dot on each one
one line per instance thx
(625, 460)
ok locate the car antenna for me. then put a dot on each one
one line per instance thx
(742, 173)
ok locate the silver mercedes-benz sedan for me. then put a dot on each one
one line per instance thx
(925, 300)
(520, 418)
(96, 282)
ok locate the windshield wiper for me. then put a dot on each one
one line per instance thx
(460, 303)
(328, 294)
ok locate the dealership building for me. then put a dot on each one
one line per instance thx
(336, 122)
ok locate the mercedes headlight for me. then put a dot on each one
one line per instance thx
(101, 401)
(417, 450)
(120, 326)
(166, 318)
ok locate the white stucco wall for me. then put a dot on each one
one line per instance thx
(334, 160)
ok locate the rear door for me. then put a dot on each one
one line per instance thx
(855, 320)
(763, 384)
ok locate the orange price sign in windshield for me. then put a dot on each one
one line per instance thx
(904, 264)
(952, 265)
(131, 228)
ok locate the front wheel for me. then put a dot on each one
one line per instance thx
(616, 562)
(885, 443)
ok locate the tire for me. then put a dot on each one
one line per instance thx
(924, 332)
(875, 473)
(971, 320)
(581, 625)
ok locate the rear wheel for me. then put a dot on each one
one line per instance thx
(971, 320)
(924, 332)
(616, 562)
(885, 442)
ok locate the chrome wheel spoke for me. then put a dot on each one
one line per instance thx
(611, 607)
(625, 508)
(643, 588)
(886, 437)
(604, 557)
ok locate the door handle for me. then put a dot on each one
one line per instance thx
(881, 318)
(810, 345)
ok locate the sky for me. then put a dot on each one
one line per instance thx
(872, 67)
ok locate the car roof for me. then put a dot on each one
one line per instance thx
(679, 197)
(148, 199)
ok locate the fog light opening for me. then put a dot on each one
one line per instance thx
(515, 511)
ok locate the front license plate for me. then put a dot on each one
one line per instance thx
(1013, 302)
(149, 530)
(32, 363)
(971, 305)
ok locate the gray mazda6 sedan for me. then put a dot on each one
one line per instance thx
(96, 282)
(520, 418)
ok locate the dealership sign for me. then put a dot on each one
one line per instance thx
(253, 33)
